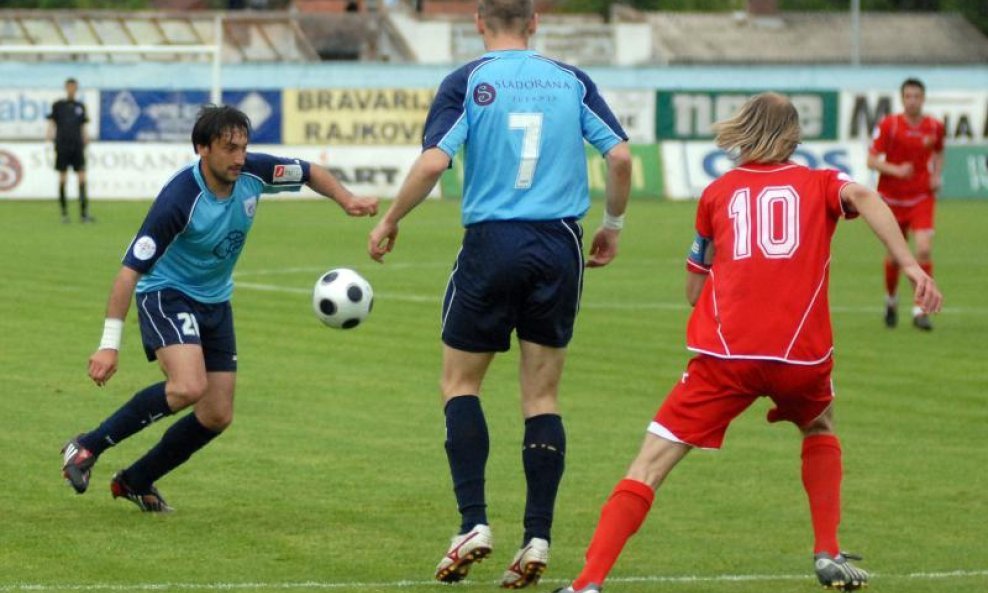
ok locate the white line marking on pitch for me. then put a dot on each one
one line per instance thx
(302, 585)
(418, 298)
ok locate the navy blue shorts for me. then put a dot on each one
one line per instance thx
(514, 275)
(170, 317)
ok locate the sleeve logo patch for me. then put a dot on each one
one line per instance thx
(287, 173)
(144, 248)
(484, 94)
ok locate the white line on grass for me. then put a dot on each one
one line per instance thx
(302, 585)
(617, 305)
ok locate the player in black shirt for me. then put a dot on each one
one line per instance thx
(68, 128)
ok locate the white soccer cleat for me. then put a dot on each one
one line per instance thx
(590, 588)
(464, 550)
(528, 565)
(838, 573)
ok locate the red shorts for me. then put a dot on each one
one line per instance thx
(918, 217)
(714, 391)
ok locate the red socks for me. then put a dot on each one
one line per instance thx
(622, 515)
(822, 473)
(927, 267)
(891, 277)
(629, 504)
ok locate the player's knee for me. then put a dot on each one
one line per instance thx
(187, 391)
(216, 420)
(822, 424)
(924, 255)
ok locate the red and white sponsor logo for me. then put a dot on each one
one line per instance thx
(287, 173)
(11, 171)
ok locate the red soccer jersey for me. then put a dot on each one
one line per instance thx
(766, 296)
(902, 142)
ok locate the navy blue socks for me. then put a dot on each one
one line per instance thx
(467, 447)
(147, 406)
(543, 455)
(179, 442)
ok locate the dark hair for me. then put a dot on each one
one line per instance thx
(71, 81)
(215, 121)
(502, 16)
(912, 82)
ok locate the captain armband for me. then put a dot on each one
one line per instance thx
(696, 261)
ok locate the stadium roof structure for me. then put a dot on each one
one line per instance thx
(247, 36)
(815, 38)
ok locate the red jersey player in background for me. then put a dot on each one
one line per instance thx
(907, 151)
(757, 276)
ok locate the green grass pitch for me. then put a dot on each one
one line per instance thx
(333, 475)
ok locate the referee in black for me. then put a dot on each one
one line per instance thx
(67, 126)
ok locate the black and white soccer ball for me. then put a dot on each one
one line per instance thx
(342, 298)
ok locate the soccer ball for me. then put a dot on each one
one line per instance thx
(342, 298)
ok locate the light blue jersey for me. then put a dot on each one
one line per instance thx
(190, 239)
(521, 117)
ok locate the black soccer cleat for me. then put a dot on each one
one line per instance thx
(923, 322)
(838, 573)
(891, 316)
(149, 502)
(77, 462)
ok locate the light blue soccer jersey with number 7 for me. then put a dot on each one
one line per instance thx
(522, 119)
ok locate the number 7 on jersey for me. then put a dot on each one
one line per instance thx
(531, 125)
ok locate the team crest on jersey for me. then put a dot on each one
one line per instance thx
(230, 245)
(484, 94)
(144, 248)
(250, 206)
(287, 173)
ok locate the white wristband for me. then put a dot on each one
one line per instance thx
(611, 222)
(112, 332)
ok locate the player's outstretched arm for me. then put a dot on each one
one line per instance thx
(876, 213)
(103, 362)
(604, 246)
(323, 182)
(422, 177)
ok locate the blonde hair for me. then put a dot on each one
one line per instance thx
(764, 130)
(506, 16)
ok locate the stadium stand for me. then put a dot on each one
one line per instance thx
(247, 36)
(442, 31)
(815, 37)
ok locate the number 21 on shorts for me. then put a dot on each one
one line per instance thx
(190, 327)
